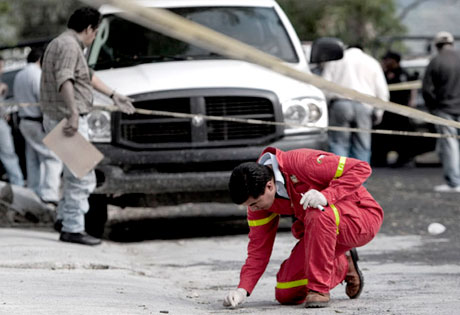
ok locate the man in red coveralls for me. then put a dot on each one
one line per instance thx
(334, 213)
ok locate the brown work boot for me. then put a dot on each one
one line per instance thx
(317, 299)
(354, 277)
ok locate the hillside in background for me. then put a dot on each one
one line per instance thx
(430, 17)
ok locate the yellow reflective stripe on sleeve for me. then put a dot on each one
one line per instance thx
(340, 167)
(291, 284)
(262, 221)
(337, 216)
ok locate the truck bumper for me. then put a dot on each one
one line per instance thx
(127, 172)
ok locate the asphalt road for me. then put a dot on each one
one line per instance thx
(183, 260)
(406, 195)
(410, 205)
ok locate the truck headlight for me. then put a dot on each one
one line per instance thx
(301, 111)
(99, 126)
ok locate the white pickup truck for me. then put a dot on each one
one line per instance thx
(160, 159)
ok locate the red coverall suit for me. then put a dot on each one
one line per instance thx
(351, 219)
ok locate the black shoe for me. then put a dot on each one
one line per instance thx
(58, 225)
(79, 238)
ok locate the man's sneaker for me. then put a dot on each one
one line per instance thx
(50, 204)
(354, 277)
(446, 188)
(79, 238)
(317, 299)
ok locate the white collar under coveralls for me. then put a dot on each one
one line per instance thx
(270, 159)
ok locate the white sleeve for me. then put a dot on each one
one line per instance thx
(329, 69)
(381, 86)
(36, 86)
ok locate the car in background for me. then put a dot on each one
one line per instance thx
(153, 160)
(15, 57)
(8, 78)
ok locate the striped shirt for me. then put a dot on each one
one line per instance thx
(64, 60)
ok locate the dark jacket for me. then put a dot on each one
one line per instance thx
(403, 96)
(441, 83)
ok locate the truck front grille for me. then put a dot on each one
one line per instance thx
(240, 107)
(163, 132)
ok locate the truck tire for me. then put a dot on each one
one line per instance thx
(96, 217)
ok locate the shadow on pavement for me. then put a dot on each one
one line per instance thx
(175, 228)
(142, 229)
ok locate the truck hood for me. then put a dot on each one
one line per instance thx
(176, 75)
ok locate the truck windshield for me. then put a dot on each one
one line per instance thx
(120, 43)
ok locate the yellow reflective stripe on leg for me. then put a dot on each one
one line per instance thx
(291, 284)
(262, 221)
(337, 216)
(340, 167)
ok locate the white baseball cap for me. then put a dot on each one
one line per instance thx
(443, 38)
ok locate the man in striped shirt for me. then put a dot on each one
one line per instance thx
(66, 92)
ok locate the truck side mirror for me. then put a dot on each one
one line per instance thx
(326, 49)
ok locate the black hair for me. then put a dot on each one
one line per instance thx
(392, 55)
(248, 180)
(34, 55)
(356, 45)
(441, 45)
(84, 17)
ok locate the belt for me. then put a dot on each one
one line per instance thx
(38, 119)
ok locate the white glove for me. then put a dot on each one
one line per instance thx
(235, 297)
(314, 199)
(124, 103)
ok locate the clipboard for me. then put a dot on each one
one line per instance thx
(77, 153)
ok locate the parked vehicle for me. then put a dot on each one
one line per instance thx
(153, 160)
(8, 78)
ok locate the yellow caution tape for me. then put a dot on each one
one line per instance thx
(410, 85)
(262, 122)
(173, 25)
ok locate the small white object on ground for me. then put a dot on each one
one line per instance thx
(436, 228)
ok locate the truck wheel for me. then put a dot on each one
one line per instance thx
(96, 217)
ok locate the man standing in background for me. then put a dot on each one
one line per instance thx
(361, 72)
(406, 147)
(7, 151)
(441, 92)
(43, 167)
(67, 93)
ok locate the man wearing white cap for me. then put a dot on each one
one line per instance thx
(441, 91)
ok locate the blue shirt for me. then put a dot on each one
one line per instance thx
(26, 89)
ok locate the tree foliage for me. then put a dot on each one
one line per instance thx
(33, 19)
(7, 23)
(353, 21)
